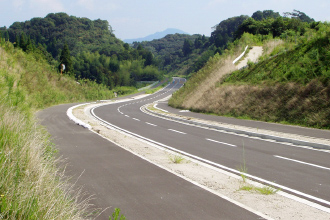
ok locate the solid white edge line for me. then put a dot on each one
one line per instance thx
(219, 142)
(155, 106)
(227, 168)
(193, 182)
(298, 161)
(76, 120)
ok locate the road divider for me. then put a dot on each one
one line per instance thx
(193, 121)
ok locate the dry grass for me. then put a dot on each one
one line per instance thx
(280, 102)
(31, 185)
(225, 66)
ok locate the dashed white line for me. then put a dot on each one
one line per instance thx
(127, 116)
(219, 142)
(176, 131)
(298, 161)
(151, 124)
(136, 119)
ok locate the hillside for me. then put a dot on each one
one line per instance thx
(289, 84)
(179, 53)
(89, 49)
(32, 185)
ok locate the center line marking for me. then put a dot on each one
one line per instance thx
(221, 142)
(176, 131)
(298, 161)
(136, 119)
(151, 124)
(127, 116)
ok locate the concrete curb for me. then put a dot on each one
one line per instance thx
(242, 132)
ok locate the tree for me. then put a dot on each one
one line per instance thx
(299, 15)
(187, 47)
(65, 58)
(258, 16)
(22, 42)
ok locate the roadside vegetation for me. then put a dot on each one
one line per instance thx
(32, 182)
(290, 83)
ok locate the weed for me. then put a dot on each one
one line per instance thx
(247, 188)
(115, 215)
(266, 190)
(177, 159)
(243, 169)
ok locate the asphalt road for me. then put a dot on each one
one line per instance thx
(299, 170)
(120, 179)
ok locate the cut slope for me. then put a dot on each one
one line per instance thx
(291, 87)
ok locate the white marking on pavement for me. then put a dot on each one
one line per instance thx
(127, 116)
(298, 161)
(176, 131)
(136, 119)
(155, 106)
(221, 142)
(151, 124)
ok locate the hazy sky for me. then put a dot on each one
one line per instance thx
(139, 18)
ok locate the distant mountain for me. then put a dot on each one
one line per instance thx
(157, 35)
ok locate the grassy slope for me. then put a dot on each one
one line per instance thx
(292, 87)
(31, 184)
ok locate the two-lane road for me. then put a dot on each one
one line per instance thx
(305, 172)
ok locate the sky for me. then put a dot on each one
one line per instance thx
(139, 18)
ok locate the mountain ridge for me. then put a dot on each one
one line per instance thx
(155, 36)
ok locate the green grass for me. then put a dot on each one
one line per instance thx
(32, 182)
(265, 190)
(289, 85)
(177, 159)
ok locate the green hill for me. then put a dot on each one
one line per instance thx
(289, 84)
(93, 51)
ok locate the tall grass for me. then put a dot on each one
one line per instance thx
(32, 184)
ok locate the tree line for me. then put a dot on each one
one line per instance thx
(89, 49)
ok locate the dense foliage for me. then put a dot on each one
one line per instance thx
(67, 39)
(185, 54)
(179, 53)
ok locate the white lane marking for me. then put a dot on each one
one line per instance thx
(221, 142)
(136, 119)
(298, 161)
(155, 106)
(151, 124)
(225, 167)
(127, 116)
(176, 131)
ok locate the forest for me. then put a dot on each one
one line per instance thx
(186, 54)
(88, 49)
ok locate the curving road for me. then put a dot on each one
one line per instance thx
(120, 179)
(301, 171)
